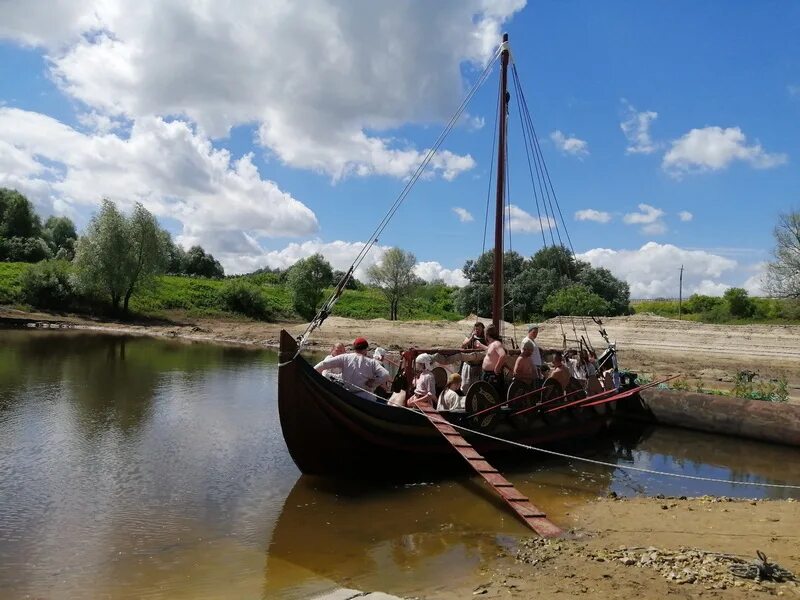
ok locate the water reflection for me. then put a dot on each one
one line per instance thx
(132, 467)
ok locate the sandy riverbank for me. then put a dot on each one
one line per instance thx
(648, 548)
(708, 354)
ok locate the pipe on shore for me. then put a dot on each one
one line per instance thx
(776, 422)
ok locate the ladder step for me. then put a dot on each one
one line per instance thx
(481, 466)
(519, 502)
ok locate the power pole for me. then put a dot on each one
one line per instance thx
(680, 294)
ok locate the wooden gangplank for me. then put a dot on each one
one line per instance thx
(519, 503)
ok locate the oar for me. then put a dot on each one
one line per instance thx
(631, 392)
(548, 402)
(583, 402)
(499, 404)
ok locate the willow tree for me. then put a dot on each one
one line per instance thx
(395, 277)
(119, 255)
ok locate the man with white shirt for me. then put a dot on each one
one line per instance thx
(334, 373)
(536, 355)
(359, 372)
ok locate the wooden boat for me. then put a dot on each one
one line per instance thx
(331, 431)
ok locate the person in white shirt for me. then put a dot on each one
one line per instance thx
(424, 384)
(536, 355)
(335, 372)
(450, 399)
(359, 372)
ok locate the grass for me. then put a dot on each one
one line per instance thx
(768, 311)
(194, 297)
(10, 281)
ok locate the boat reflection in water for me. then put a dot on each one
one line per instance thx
(402, 538)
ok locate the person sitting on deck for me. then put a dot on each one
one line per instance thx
(523, 367)
(383, 389)
(425, 383)
(335, 372)
(494, 361)
(359, 372)
(450, 398)
(536, 355)
(559, 372)
(471, 371)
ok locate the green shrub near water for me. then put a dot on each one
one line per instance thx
(11, 282)
(48, 284)
(242, 297)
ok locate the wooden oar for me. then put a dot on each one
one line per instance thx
(499, 404)
(548, 402)
(583, 402)
(631, 392)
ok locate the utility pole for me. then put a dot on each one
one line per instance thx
(680, 294)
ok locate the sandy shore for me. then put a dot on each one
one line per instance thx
(650, 548)
(708, 355)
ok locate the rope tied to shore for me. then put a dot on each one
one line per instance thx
(593, 461)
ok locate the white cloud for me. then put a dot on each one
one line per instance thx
(685, 216)
(713, 149)
(649, 217)
(433, 271)
(636, 128)
(325, 82)
(653, 270)
(167, 166)
(590, 214)
(340, 254)
(522, 222)
(755, 283)
(570, 145)
(463, 214)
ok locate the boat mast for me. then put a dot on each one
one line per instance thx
(497, 280)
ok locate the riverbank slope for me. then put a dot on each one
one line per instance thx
(704, 354)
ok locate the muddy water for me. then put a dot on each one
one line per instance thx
(139, 468)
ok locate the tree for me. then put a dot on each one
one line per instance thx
(601, 282)
(307, 280)
(17, 216)
(575, 300)
(481, 270)
(60, 234)
(201, 264)
(783, 275)
(474, 298)
(395, 277)
(119, 254)
(739, 304)
(352, 283)
(24, 249)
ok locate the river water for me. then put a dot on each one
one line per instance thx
(142, 468)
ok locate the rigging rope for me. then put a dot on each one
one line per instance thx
(373, 239)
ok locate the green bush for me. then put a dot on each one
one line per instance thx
(244, 298)
(697, 303)
(48, 284)
(739, 303)
(575, 300)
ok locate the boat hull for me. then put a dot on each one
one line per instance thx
(331, 432)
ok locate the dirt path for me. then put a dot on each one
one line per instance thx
(710, 355)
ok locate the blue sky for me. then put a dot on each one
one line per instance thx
(266, 133)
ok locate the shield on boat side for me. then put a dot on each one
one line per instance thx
(480, 396)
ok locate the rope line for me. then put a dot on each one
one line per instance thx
(584, 459)
(373, 239)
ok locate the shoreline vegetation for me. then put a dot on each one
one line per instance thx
(177, 297)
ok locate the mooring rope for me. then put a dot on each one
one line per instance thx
(584, 459)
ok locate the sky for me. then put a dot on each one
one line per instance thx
(268, 131)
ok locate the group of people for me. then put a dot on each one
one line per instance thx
(485, 360)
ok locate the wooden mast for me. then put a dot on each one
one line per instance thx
(497, 280)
